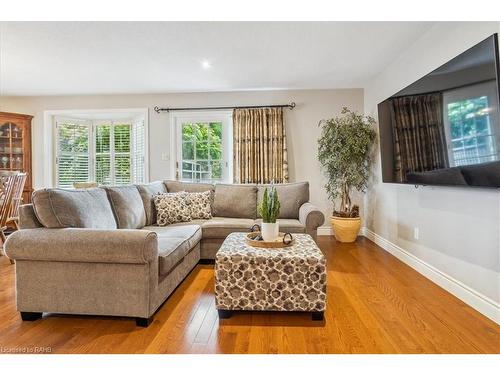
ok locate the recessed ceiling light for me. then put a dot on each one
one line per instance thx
(205, 64)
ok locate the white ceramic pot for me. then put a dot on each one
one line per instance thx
(270, 231)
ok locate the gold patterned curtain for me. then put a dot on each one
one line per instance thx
(260, 154)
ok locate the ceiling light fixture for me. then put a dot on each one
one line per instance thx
(205, 64)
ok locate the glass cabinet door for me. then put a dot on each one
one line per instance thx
(11, 147)
(15, 147)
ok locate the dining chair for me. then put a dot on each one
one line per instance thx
(17, 198)
(7, 184)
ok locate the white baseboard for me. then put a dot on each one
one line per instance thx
(325, 231)
(328, 231)
(476, 300)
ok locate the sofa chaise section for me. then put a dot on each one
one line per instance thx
(174, 243)
(83, 271)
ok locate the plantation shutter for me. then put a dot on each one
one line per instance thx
(122, 154)
(139, 151)
(73, 152)
(103, 172)
(105, 152)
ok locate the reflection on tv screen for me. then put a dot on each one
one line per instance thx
(444, 129)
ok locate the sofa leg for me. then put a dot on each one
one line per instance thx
(318, 315)
(143, 322)
(224, 314)
(30, 316)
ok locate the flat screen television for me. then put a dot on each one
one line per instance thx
(444, 129)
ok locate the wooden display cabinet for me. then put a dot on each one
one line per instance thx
(15, 147)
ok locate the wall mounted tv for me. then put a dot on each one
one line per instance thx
(444, 129)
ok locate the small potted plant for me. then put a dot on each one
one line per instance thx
(269, 209)
(344, 151)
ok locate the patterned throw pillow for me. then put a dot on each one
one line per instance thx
(171, 208)
(199, 205)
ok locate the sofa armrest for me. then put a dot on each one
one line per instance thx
(311, 216)
(130, 246)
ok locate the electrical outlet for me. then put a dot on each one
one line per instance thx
(164, 156)
(415, 233)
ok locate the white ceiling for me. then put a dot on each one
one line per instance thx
(65, 58)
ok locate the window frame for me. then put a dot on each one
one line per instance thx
(177, 118)
(50, 173)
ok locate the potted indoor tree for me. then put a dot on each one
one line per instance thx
(344, 151)
(269, 209)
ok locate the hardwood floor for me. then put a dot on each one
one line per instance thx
(376, 304)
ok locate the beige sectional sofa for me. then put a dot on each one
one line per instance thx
(99, 251)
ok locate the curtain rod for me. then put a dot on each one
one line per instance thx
(289, 106)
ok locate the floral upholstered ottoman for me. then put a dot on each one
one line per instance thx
(275, 279)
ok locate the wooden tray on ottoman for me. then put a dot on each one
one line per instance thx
(268, 244)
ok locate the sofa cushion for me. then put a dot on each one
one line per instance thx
(192, 222)
(238, 201)
(127, 206)
(27, 217)
(291, 197)
(200, 205)
(87, 208)
(288, 225)
(174, 243)
(221, 227)
(147, 192)
(190, 187)
(171, 208)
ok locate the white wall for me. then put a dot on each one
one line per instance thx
(301, 124)
(459, 227)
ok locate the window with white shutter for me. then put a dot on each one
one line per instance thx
(113, 145)
(106, 152)
(122, 166)
(138, 151)
(103, 175)
(73, 152)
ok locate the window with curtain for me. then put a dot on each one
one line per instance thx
(260, 146)
(106, 152)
